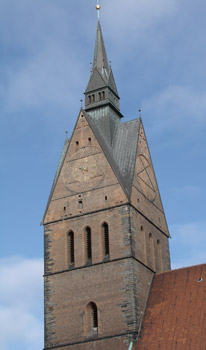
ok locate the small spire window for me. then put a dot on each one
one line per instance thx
(89, 99)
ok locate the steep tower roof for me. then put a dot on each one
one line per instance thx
(101, 78)
(100, 57)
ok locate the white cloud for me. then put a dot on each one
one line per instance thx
(44, 79)
(177, 106)
(21, 303)
(188, 244)
(130, 19)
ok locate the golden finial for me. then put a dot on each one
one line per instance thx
(98, 7)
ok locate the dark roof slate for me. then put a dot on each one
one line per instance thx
(101, 75)
(122, 153)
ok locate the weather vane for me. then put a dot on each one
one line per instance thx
(98, 7)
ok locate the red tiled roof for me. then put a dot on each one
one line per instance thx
(175, 317)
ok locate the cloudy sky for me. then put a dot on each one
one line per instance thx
(158, 54)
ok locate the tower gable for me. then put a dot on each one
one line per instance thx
(96, 82)
(145, 194)
(112, 83)
(84, 170)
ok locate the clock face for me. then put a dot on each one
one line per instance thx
(82, 171)
(146, 178)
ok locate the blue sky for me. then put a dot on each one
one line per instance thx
(158, 50)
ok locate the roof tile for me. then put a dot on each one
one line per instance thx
(175, 318)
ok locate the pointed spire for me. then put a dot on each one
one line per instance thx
(101, 90)
(100, 60)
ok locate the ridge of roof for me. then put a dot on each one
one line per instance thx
(181, 269)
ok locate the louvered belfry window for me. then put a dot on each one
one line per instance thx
(88, 244)
(105, 229)
(71, 247)
(94, 315)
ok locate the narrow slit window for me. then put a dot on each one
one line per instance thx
(71, 248)
(105, 229)
(91, 320)
(103, 95)
(88, 244)
(95, 315)
(89, 141)
(93, 98)
(100, 96)
(159, 251)
(80, 204)
(90, 99)
(152, 254)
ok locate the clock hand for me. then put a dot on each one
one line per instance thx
(84, 169)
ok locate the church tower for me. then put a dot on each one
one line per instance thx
(104, 226)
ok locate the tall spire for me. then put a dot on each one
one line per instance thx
(101, 78)
(100, 60)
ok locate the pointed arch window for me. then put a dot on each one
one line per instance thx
(144, 249)
(105, 233)
(88, 241)
(91, 320)
(152, 255)
(159, 253)
(71, 248)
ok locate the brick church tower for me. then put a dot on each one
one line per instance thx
(105, 228)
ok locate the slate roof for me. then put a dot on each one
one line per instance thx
(175, 317)
(121, 154)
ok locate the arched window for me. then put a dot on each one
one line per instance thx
(91, 320)
(144, 250)
(88, 244)
(100, 96)
(159, 252)
(94, 315)
(71, 247)
(105, 232)
(90, 99)
(103, 95)
(152, 255)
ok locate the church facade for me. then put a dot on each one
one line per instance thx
(105, 231)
